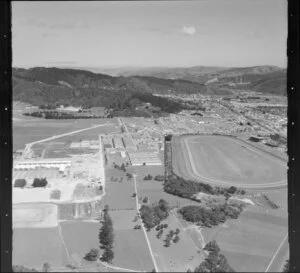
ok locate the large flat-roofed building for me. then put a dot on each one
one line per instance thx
(61, 164)
(118, 143)
(144, 158)
(128, 143)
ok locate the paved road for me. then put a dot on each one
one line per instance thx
(142, 224)
(280, 256)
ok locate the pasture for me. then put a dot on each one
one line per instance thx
(131, 250)
(178, 257)
(250, 241)
(32, 247)
(226, 161)
(80, 237)
(118, 194)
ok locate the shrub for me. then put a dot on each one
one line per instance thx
(176, 239)
(148, 177)
(21, 268)
(107, 255)
(167, 242)
(160, 232)
(159, 178)
(177, 231)
(39, 182)
(20, 183)
(145, 200)
(92, 255)
(55, 194)
(133, 195)
(232, 190)
(46, 267)
(165, 225)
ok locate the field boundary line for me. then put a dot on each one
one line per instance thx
(274, 256)
(63, 242)
(119, 268)
(143, 227)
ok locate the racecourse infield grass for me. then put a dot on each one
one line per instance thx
(226, 161)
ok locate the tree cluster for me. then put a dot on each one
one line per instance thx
(159, 178)
(187, 188)
(172, 236)
(106, 237)
(60, 115)
(153, 214)
(92, 255)
(208, 217)
(20, 183)
(121, 168)
(148, 177)
(286, 267)
(215, 261)
(55, 194)
(39, 182)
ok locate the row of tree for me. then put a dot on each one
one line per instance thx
(106, 237)
(60, 115)
(208, 217)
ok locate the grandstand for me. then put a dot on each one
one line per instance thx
(144, 158)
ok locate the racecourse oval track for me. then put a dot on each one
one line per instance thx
(227, 161)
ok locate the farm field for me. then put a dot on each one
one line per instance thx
(32, 215)
(32, 247)
(80, 237)
(131, 250)
(30, 130)
(224, 160)
(118, 194)
(250, 242)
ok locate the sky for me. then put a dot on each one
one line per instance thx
(228, 33)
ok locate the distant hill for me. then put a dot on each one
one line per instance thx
(80, 87)
(265, 79)
(40, 85)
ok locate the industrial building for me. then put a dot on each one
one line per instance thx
(51, 163)
(128, 142)
(118, 143)
(144, 158)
